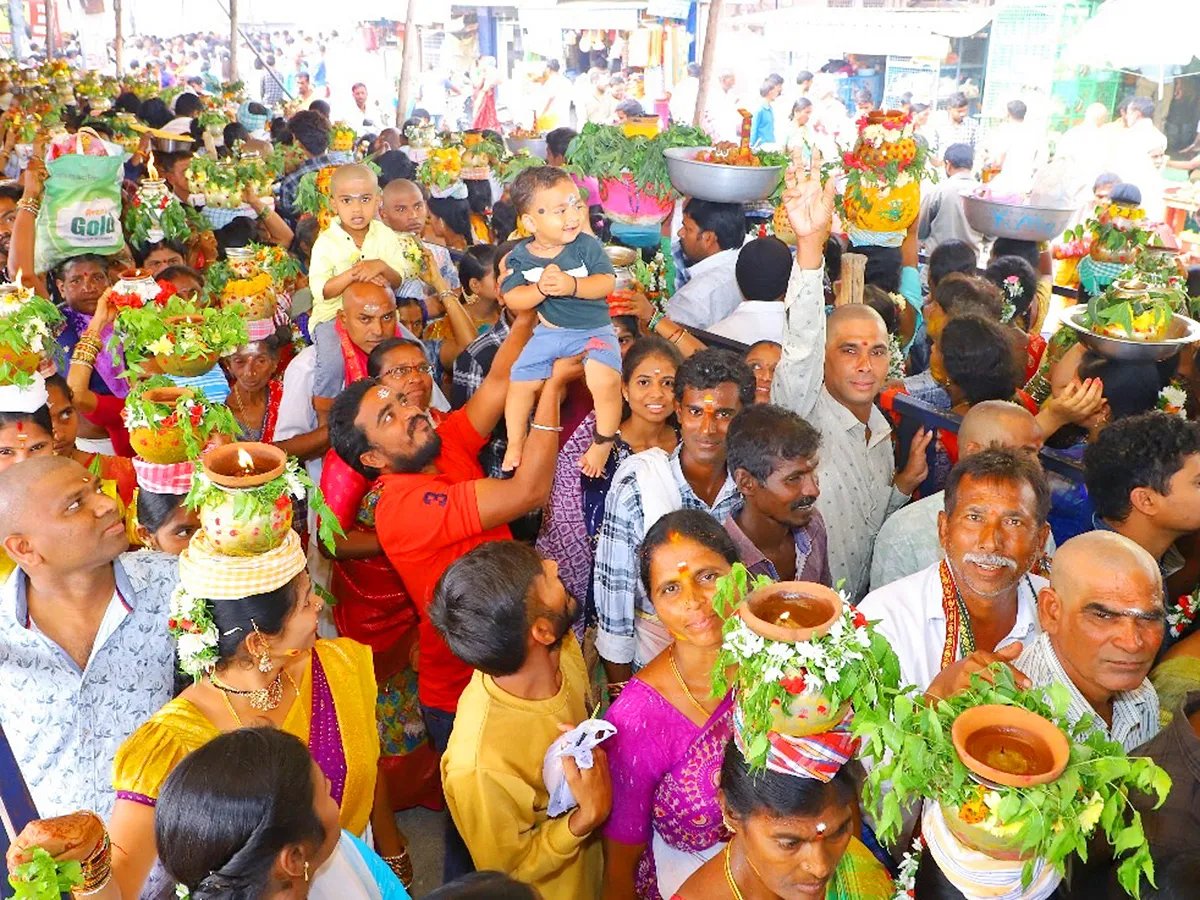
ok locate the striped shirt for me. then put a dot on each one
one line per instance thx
(1134, 713)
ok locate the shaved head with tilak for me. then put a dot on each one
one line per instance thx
(998, 423)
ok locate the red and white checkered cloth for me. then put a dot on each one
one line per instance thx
(164, 478)
(818, 756)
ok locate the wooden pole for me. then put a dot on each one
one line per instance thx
(408, 63)
(119, 37)
(233, 40)
(51, 30)
(708, 61)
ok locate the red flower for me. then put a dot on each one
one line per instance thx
(126, 301)
(822, 709)
(171, 623)
(860, 621)
(196, 416)
(137, 201)
(283, 502)
(171, 421)
(793, 684)
(166, 291)
(163, 203)
(187, 624)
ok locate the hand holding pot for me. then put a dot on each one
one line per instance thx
(957, 676)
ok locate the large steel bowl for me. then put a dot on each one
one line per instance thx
(535, 146)
(1016, 221)
(718, 183)
(1181, 331)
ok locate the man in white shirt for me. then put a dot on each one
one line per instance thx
(366, 116)
(831, 370)
(556, 110)
(978, 606)
(683, 96)
(1016, 148)
(710, 237)
(762, 270)
(722, 119)
(1103, 620)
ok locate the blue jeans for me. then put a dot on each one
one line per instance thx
(457, 859)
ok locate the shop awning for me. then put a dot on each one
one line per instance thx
(879, 32)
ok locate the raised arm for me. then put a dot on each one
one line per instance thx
(79, 375)
(280, 232)
(20, 248)
(486, 405)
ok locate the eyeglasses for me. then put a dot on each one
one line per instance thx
(400, 372)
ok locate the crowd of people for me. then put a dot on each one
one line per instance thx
(505, 598)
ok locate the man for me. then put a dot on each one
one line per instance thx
(710, 237)
(405, 210)
(711, 387)
(978, 605)
(10, 193)
(504, 611)
(172, 168)
(1143, 478)
(366, 116)
(683, 96)
(955, 127)
(772, 455)
(1102, 624)
(557, 143)
(724, 121)
(311, 132)
(908, 541)
(366, 318)
(1015, 149)
(85, 657)
(942, 217)
(830, 373)
(556, 110)
(761, 272)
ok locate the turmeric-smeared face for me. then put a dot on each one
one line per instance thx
(683, 581)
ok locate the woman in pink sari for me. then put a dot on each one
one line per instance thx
(485, 79)
(671, 735)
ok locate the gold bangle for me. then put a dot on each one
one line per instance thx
(30, 205)
(97, 869)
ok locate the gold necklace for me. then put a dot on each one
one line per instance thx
(737, 893)
(226, 691)
(265, 698)
(675, 669)
(241, 410)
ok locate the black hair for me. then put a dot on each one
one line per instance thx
(957, 100)
(188, 104)
(1017, 109)
(553, 65)
(767, 86)
(1003, 267)
(154, 112)
(761, 435)
(235, 233)
(311, 129)
(559, 139)
(631, 108)
(960, 156)
(833, 259)
(382, 349)
(800, 105)
(693, 524)
(504, 248)
(479, 198)
(478, 262)
(60, 271)
(803, 75)
(883, 267)
(483, 886)
(763, 268)
(978, 358)
(60, 383)
(39, 417)
(234, 133)
(320, 106)
(394, 165)
(880, 301)
(645, 347)
(1027, 250)
(781, 796)
(481, 605)
(236, 619)
(1143, 105)
(230, 807)
(280, 132)
(504, 218)
(141, 252)
(526, 186)
(958, 293)
(948, 257)
(153, 509)
(127, 101)
(709, 369)
(348, 440)
(184, 271)
(864, 95)
(1124, 192)
(726, 220)
(1130, 387)
(629, 323)
(1193, 272)
(1000, 464)
(1138, 451)
(456, 214)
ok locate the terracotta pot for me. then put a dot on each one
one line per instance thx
(628, 205)
(223, 464)
(811, 609)
(783, 226)
(902, 151)
(159, 444)
(885, 209)
(259, 306)
(238, 533)
(169, 364)
(997, 846)
(1010, 746)
(22, 360)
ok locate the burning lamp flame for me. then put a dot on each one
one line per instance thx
(151, 170)
(244, 460)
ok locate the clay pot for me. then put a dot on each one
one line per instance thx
(783, 226)
(902, 151)
(161, 444)
(223, 464)
(997, 846)
(169, 364)
(257, 307)
(242, 262)
(623, 202)
(1123, 257)
(22, 360)
(886, 208)
(1010, 746)
(235, 532)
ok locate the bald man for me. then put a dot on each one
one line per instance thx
(85, 657)
(405, 211)
(908, 540)
(1102, 619)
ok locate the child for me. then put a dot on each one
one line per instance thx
(356, 247)
(566, 276)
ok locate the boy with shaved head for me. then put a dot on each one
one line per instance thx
(85, 656)
(830, 373)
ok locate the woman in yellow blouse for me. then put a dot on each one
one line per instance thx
(247, 629)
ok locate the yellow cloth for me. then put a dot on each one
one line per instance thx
(335, 251)
(150, 754)
(1173, 679)
(6, 566)
(492, 776)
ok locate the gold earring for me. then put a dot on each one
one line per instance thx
(306, 871)
(264, 655)
(728, 827)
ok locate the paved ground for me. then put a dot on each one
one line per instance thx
(424, 830)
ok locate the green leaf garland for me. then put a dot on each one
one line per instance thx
(42, 878)
(197, 418)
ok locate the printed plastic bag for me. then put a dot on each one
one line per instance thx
(577, 744)
(81, 207)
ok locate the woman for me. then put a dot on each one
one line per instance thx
(80, 282)
(484, 81)
(800, 135)
(159, 255)
(670, 732)
(449, 223)
(116, 472)
(164, 523)
(248, 815)
(469, 314)
(792, 837)
(573, 515)
(259, 664)
(763, 358)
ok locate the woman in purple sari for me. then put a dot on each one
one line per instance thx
(671, 734)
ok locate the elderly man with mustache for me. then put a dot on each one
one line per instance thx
(978, 606)
(772, 457)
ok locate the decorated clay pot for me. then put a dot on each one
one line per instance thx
(783, 226)
(792, 612)
(244, 464)
(886, 208)
(625, 203)
(1010, 746)
(161, 443)
(242, 262)
(170, 364)
(237, 531)
(902, 150)
(22, 360)
(1123, 257)
(1003, 843)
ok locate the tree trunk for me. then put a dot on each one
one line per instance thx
(408, 64)
(119, 37)
(708, 61)
(233, 40)
(51, 31)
